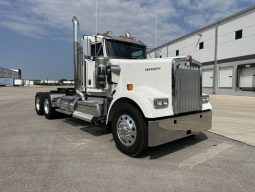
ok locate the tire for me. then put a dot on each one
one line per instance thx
(39, 99)
(130, 130)
(49, 111)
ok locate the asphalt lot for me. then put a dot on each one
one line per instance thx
(70, 155)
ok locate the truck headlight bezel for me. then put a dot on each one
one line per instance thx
(205, 98)
(160, 103)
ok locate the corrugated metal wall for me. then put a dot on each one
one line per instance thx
(7, 73)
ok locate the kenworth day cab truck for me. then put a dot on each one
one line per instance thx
(145, 102)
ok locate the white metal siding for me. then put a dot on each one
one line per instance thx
(226, 77)
(208, 78)
(188, 46)
(247, 77)
(228, 46)
(151, 55)
(163, 52)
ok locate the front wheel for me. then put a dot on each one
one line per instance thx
(129, 130)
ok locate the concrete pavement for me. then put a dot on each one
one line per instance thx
(70, 155)
(234, 117)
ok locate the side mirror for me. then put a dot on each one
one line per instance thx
(86, 44)
(114, 73)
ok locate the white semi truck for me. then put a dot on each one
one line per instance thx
(145, 102)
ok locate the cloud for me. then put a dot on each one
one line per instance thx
(5, 3)
(208, 5)
(40, 17)
(196, 20)
(204, 12)
(23, 28)
(53, 18)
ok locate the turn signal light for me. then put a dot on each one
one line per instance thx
(130, 87)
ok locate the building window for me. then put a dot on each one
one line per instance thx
(201, 45)
(177, 52)
(239, 34)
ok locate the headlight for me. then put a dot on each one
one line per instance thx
(160, 103)
(205, 99)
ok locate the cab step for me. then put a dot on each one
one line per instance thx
(90, 110)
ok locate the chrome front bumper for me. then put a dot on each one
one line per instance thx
(170, 129)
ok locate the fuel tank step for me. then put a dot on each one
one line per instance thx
(89, 110)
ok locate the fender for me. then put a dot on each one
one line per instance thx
(143, 98)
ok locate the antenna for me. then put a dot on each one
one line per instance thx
(140, 27)
(156, 31)
(96, 32)
(96, 17)
(101, 17)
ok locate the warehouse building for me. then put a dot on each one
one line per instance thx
(7, 76)
(226, 50)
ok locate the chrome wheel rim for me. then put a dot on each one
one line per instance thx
(126, 130)
(46, 106)
(37, 104)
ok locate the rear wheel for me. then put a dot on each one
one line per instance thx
(39, 98)
(49, 111)
(129, 130)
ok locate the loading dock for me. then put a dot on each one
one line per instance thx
(246, 77)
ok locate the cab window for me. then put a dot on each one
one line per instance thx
(96, 50)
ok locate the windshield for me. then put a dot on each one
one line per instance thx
(125, 50)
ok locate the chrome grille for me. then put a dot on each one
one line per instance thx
(187, 87)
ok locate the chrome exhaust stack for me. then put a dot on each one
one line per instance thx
(76, 45)
(77, 64)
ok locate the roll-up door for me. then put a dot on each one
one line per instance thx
(208, 78)
(226, 77)
(247, 77)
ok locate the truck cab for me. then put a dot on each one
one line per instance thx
(145, 102)
(110, 47)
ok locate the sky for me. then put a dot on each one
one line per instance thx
(36, 35)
